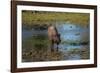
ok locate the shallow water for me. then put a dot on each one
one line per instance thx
(69, 33)
(72, 32)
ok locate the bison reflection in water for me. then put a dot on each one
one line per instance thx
(54, 37)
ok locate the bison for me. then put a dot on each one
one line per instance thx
(54, 37)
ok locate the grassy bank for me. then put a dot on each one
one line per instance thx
(45, 18)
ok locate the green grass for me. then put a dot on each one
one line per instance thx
(45, 18)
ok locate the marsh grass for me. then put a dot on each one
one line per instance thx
(45, 55)
(36, 49)
(41, 55)
(31, 18)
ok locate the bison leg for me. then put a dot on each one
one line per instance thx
(57, 47)
(52, 46)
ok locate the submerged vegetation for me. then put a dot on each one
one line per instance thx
(31, 18)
